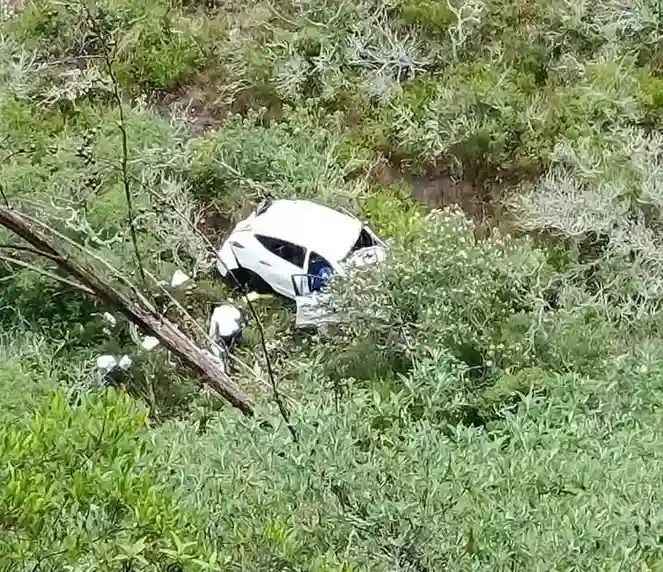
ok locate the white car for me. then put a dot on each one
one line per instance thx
(294, 246)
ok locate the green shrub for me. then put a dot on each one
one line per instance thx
(443, 287)
(26, 378)
(76, 490)
(431, 16)
(391, 211)
(650, 97)
(248, 160)
(473, 113)
(381, 480)
(158, 56)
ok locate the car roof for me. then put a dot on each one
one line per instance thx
(328, 232)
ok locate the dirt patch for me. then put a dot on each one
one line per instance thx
(480, 199)
(205, 102)
(214, 225)
(441, 191)
(199, 106)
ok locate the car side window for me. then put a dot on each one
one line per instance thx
(319, 271)
(316, 263)
(283, 249)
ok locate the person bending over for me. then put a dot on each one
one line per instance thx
(225, 329)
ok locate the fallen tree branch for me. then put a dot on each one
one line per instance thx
(144, 316)
(283, 410)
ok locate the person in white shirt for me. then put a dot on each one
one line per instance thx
(225, 327)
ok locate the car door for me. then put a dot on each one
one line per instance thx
(278, 260)
(311, 310)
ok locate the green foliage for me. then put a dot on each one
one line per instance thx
(26, 376)
(250, 159)
(441, 285)
(157, 55)
(151, 47)
(651, 97)
(391, 211)
(474, 112)
(380, 481)
(433, 17)
(488, 405)
(76, 491)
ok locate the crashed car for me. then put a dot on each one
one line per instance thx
(293, 247)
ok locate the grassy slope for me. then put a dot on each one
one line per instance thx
(303, 101)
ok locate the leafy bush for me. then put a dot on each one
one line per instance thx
(604, 196)
(378, 482)
(250, 159)
(76, 491)
(158, 55)
(391, 211)
(442, 286)
(475, 113)
(26, 373)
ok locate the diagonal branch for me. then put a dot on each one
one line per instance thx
(283, 410)
(18, 247)
(144, 315)
(43, 272)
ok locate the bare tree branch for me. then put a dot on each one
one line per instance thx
(283, 410)
(44, 272)
(121, 124)
(146, 317)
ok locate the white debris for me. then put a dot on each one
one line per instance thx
(179, 278)
(253, 296)
(125, 362)
(149, 343)
(106, 363)
(110, 319)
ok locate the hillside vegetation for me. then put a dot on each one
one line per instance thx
(495, 401)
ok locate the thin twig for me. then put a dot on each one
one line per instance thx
(22, 248)
(205, 333)
(121, 124)
(114, 271)
(4, 195)
(6, 158)
(44, 272)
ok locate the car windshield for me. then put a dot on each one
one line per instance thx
(365, 240)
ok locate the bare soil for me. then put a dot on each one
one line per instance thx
(207, 103)
(480, 199)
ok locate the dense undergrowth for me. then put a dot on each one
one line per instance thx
(494, 402)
